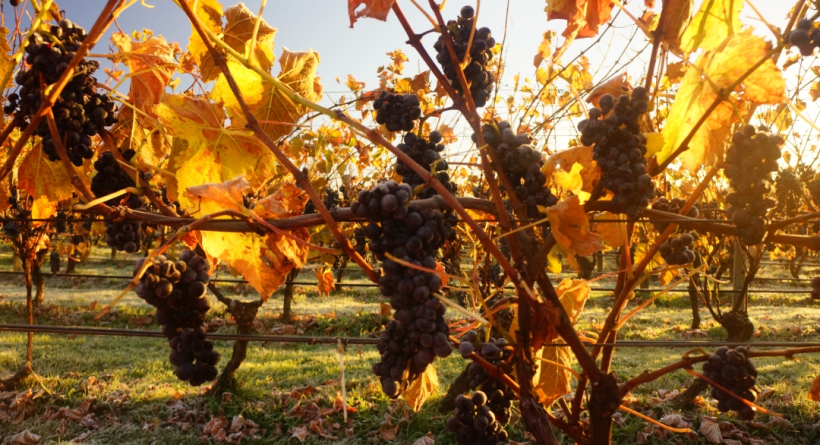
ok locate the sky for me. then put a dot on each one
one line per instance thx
(323, 25)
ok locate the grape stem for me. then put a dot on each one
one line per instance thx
(61, 153)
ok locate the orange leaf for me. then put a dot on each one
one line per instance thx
(288, 201)
(45, 181)
(325, 281)
(583, 17)
(215, 197)
(570, 227)
(442, 274)
(582, 155)
(377, 9)
(152, 64)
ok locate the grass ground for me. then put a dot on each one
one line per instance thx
(134, 391)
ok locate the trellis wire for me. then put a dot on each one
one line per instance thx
(348, 284)
(110, 332)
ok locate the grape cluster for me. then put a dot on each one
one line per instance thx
(815, 288)
(751, 159)
(676, 250)
(620, 149)
(331, 199)
(125, 236)
(11, 229)
(80, 112)
(426, 154)
(110, 178)
(732, 369)
(177, 290)
(805, 37)
(522, 163)
(54, 260)
(474, 422)
(418, 333)
(397, 111)
(477, 71)
(672, 206)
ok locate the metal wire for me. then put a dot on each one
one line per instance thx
(78, 330)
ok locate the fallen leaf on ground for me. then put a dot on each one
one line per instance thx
(710, 429)
(25, 438)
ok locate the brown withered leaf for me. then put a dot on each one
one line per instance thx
(675, 20)
(152, 64)
(25, 438)
(388, 431)
(570, 227)
(421, 388)
(300, 433)
(45, 181)
(710, 429)
(377, 9)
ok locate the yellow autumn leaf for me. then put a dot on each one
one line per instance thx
(209, 13)
(45, 181)
(552, 381)
(213, 154)
(6, 62)
(274, 110)
(582, 155)
(377, 9)
(554, 261)
(570, 227)
(654, 143)
(572, 181)
(573, 295)
(238, 32)
(723, 66)
(714, 22)
(420, 389)
(325, 283)
(544, 49)
(265, 261)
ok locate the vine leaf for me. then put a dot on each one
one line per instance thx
(289, 200)
(713, 71)
(675, 20)
(213, 154)
(572, 181)
(152, 64)
(325, 284)
(376, 9)
(570, 227)
(420, 389)
(583, 18)
(582, 155)
(544, 49)
(612, 234)
(238, 33)
(6, 63)
(714, 22)
(265, 261)
(222, 196)
(45, 181)
(710, 429)
(553, 381)
(275, 110)
(209, 13)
